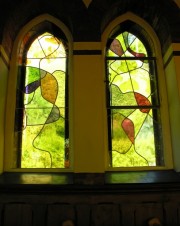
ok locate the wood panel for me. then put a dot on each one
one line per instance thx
(56, 213)
(1, 214)
(92, 209)
(39, 214)
(17, 214)
(171, 212)
(83, 212)
(106, 215)
(144, 212)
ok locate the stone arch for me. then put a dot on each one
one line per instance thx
(163, 16)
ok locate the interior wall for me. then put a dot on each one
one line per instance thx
(172, 71)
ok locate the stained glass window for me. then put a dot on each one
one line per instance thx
(41, 123)
(133, 106)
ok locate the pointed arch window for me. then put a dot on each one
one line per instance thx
(133, 106)
(41, 119)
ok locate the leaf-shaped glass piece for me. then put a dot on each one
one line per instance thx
(32, 87)
(49, 88)
(116, 47)
(135, 54)
(54, 115)
(142, 101)
(128, 127)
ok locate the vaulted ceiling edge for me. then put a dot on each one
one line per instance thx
(87, 2)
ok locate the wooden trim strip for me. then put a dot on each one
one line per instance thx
(173, 54)
(4, 56)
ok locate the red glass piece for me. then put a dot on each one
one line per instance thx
(116, 47)
(142, 101)
(128, 127)
(135, 54)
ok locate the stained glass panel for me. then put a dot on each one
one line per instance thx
(41, 107)
(133, 104)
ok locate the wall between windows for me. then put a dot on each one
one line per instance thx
(172, 71)
(89, 108)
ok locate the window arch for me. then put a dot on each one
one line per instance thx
(41, 125)
(136, 125)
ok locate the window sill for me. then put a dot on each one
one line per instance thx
(66, 183)
(36, 178)
(142, 177)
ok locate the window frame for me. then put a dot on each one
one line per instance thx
(168, 162)
(11, 92)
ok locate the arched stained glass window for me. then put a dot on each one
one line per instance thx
(41, 123)
(133, 105)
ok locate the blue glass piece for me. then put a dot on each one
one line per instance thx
(32, 87)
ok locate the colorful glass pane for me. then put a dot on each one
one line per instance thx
(43, 138)
(133, 107)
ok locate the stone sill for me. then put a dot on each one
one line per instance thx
(109, 182)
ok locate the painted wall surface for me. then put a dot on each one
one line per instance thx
(88, 111)
(173, 85)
